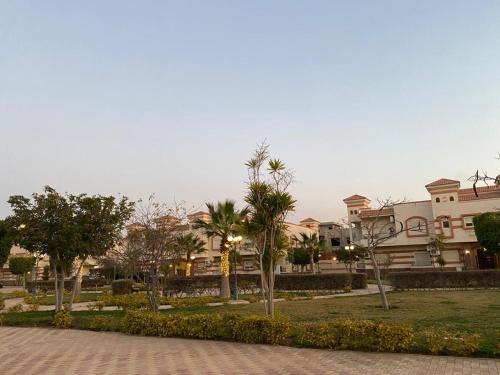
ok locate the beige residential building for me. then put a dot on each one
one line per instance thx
(448, 213)
(208, 262)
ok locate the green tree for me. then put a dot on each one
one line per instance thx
(487, 228)
(20, 266)
(6, 241)
(189, 244)
(300, 257)
(225, 220)
(269, 204)
(66, 227)
(313, 246)
(99, 222)
(350, 256)
(45, 224)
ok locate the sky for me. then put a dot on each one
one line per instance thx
(171, 97)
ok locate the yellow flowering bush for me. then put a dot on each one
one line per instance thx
(357, 335)
(62, 319)
(443, 342)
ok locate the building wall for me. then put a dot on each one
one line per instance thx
(450, 216)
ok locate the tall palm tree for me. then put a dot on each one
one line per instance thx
(224, 221)
(312, 244)
(188, 244)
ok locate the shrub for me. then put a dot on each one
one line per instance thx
(125, 301)
(48, 285)
(18, 294)
(254, 329)
(445, 279)
(122, 287)
(443, 342)
(62, 319)
(357, 335)
(103, 323)
(251, 283)
(190, 302)
(262, 330)
(34, 307)
(16, 308)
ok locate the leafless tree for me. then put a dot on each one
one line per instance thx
(153, 242)
(376, 231)
(484, 178)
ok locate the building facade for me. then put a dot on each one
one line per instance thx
(410, 226)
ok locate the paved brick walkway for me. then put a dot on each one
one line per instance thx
(50, 351)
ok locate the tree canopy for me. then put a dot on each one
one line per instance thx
(487, 228)
(6, 241)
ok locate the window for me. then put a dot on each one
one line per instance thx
(352, 212)
(468, 223)
(355, 212)
(452, 199)
(446, 223)
(438, 200)
(330, 227)
(422, 259)
(335, 241)
(416, 226)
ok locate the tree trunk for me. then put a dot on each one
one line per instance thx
(56, 286)
(312, 263)
(376, 271)
(61, 289)
(77, 285)
(225, 291)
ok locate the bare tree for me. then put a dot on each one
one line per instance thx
(153, 242)
(377, 231)
(484, 178)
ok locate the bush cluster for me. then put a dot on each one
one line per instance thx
(62, 319)
(363, 335)
(445, 279)
(252, 329)
(122, 286)
(48, 285)
(443, 342)
(250, 283)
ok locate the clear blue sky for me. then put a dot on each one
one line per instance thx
(370, 97)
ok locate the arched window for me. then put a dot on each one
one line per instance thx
(452, 199)
(352, 212)
(438, 200)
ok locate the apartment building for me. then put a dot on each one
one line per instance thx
(411, 225)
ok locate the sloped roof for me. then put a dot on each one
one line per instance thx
(355, 197)
(442, 181)
(309, 220)
(377, 212)
(483, 192)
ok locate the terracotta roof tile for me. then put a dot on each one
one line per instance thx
(442, 181)
(355, 197)
(376, 212)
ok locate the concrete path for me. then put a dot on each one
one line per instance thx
(51, 351)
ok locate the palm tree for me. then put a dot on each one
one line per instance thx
(224, 221)
(312, 244)
(188, 244)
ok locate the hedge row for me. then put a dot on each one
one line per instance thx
(252, 329)
(445, 279)
(250, 283)
(342, 334)
(48, 285)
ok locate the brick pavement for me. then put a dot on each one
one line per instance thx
(51, 351)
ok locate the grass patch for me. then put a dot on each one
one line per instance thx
(478, 312)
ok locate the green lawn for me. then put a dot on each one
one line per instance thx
(84, 297)
(463, 311)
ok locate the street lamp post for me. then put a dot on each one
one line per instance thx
(234, 241)
(191, 268)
